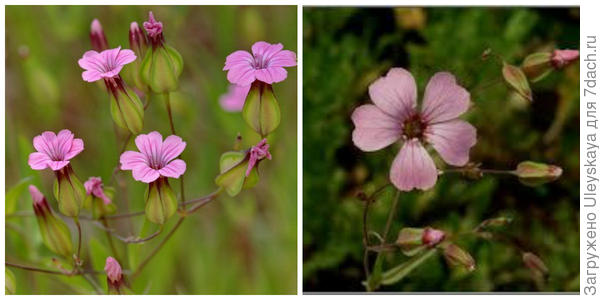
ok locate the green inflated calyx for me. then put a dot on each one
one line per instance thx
(536, 66)
(517, 81)
(97, 205)
(233, 179)
(68, 191)
(161, 202)
(126, 107)
(261, 109)
(161, 68)
(55, 233)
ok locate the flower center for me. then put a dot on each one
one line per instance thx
(413, 127)
(259, 62)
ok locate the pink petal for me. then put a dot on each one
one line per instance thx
(266, 50)
(125, 56)
(64, 141)
(171, 148)
(285, 58)
(112, 73)
(452, 140)
(395, 94)
(238, 58)
(131, 159)
(271, 74)
(90, 61)
(38, 160)
(57, 165)
(76, 148)
(149, 144)
(43, 142)
(444, 99)
(91, 75)
(235, 98)
(174, 169)
(413, 168)
(145, 174)
(374, 129)
(241, 75)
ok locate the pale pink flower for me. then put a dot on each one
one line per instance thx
(153, 27)
(265, 64)
(156, 158)
(54, 151)
(93, 186)
(561, 58)
(258, 153)
(395, 117)
(113, 270)
(106, 64)
(235, 98)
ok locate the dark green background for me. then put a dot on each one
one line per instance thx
(346, 49)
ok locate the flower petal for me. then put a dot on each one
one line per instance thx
(452, 140)
(91, 75)
(76, 148)
(284, 58)
(241, 75)
(374, 129)
(413, 168)
(174, 169)
(131, 159)
(171, 148)
(266, 50)
(238, 58)
(145, 174)
(395, 94)
(57, 165)
(44, 142)
(235, 98)
(38, 160)
(64, 141)
(149, 144)
(444, 99)
(124, 57)
(271, 74)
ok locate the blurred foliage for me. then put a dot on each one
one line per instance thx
(233, 245)
(346, 49)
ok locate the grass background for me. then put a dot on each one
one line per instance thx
(236, 245)
(346, 49)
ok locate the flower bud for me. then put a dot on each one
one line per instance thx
(535, 264)
(562, 58)
(532, 173)
(97, 36)
(494, 223)
(412, 240)
(98, 198)
(238, 168)
(138, 42)
(10, 283)
(162, 65)
(261, 109)
(456, 256)
(536, 66)
(161, 202)
(55, 233)
(125, 105)
(114, 275)
(432, 237)
(517, 80)
(68, 191)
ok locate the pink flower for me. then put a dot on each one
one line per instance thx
(106, 64)
(235, 97)
(54, 151)
(258, 153)
(561, 58)
(153, 27)
(265, 64)
(113, 270)
(155, 158)
(93, 186)
(395, 117)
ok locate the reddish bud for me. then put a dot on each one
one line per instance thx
(138, 41)
(458, 257)
(432, 237)
(562, 58)
(114, 275)
(535, 264)
(97, 37)
(532, 173)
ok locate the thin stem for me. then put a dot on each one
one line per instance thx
(93, 283)
(168, 104)
(116, 168)
(110, 239)
(388, 224)
(136, 240)
(78, 256)
(34, 269)
(203, 201)
(153, 253)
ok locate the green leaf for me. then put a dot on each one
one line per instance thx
(261, 109)
(12, 195)
(397, 273)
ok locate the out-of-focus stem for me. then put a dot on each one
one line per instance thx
(141, 266)
(110, 240)
(78, 255)
(171, 123)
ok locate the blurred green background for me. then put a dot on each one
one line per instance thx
(242, 245)
(346, 49)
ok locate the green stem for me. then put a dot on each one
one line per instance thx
(397, 273)
(110, 240)
(171, 123)
(78, 256)
(141, 266)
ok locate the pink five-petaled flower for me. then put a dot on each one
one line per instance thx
(113, 270)
(561, 58)
(93, 186)
(265, 64)
(155, 159)
(54, 151)
(106, 64)
(235, 97)
(395, 117)
(257, 153)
